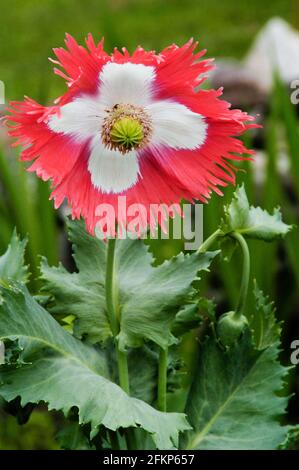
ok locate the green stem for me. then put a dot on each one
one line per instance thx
(123, 371)
(131, 439)
(113, 440)
(246, 264)
(110, 287)
(162, 379)
(111, 300)
(210, 240)
(245, 273)
(121, 356)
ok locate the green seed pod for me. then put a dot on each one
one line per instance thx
(127, 133)
(230, 327)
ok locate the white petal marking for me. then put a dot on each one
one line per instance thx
(111, 171)
(126, 83)
(81, 118)
(176, 126)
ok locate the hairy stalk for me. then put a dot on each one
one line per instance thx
(245, 273)
(246, 264)
(210, 240)
(110, 287)
(111, 299)
(123, 371)
(162, 379)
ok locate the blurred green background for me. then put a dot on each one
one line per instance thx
(29, 30)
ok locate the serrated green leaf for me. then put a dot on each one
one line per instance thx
(68, 323)
(143, 370)
(12, 262)
(233, 402)
(263, 323)
(24, 320)
(81, 295)
(253, 222)
(147, 295)
(148, 311)
(143, 367)
(186, 319)
(191, 315)
(292, 441)
(60, 367)
(12, 266)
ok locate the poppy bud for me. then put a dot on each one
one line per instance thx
(230, 327)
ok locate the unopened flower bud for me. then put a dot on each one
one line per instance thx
(230, 327)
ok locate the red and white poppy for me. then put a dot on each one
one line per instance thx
(130, 125)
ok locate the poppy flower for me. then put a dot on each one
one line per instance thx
(135, 125)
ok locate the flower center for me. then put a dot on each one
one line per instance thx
(127, 133)
(126, 127)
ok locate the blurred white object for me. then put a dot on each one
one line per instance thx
(241, 87)
(275, 49)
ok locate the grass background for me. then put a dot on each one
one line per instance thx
(30, 29)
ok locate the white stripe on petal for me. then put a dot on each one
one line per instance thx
(81, 118)
(174, 125)
(110, 170)
(126, 83)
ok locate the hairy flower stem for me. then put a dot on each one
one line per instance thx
(210, 240)
(110, 287)
(122, 361)
(162, 379)
(245, 273)
(111, 297)
(246, 265)
(123, 370)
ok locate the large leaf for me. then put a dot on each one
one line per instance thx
(148, 297)
(82, 293)
(143, 371)
(253, 222)
(143, 368)
(63, 372)
(79, 295)
(149, 305)
(233, 402)
(265, 327)
(292, 441)
(12, 264)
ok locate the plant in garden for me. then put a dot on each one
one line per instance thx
(102, 344)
